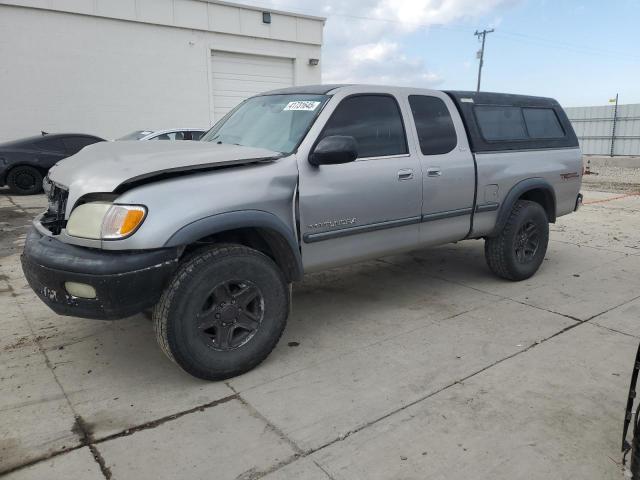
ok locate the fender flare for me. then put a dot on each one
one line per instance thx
(223, 222)
(516, 192)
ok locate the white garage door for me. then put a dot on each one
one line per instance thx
(236, 76)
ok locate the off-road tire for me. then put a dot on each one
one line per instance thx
(499, 251)
(17, 177)
(174, 316)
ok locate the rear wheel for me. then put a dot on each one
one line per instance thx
(24, 180)
(518, 251)
(223, 312)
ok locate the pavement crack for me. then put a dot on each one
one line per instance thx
(255, 413)
(106, 471)
(595, 324)
(168, 418)
(83, 430)
(329, 476)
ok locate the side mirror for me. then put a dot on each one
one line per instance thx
(333, 150)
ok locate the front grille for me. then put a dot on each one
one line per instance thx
(53, 218)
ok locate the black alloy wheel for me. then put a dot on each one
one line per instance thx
(527, 241)
(231, 315)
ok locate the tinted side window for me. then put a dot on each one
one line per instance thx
(500, 123)
(434, 125)
(74, 144)
(196, 135)
(50, 145)
(542, 123)
(164, 136)
(374, 121)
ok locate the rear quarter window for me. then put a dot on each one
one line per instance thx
(500, 123)
(507, 123)
(542, 123)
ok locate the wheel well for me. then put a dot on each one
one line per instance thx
(265, 240)
(43, 171)
(543, 197)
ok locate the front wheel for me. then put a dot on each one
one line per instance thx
(519, 249)
(24, 180)
(223, 312)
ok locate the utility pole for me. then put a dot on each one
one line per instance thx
(482, 34)
(613, 128)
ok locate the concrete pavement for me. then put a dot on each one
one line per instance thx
(415, 366)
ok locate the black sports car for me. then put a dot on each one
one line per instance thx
(24, 162)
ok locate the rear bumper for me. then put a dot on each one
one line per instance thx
(125, 282)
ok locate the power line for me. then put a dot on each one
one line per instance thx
(481, 35)
(544, 42)
(518, 37)
(556, 43)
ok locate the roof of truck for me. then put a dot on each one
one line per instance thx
(485, 98)
(308, 89)
(496, 98)
(465, 102)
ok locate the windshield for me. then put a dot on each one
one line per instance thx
(137, 135)
(274, 122)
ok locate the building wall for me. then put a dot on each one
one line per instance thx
(594, 126)
(150, 68)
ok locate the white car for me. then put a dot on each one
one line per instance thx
(170, 134)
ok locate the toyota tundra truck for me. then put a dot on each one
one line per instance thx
(210, 235)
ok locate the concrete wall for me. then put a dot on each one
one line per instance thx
(594, 126)
(149, 68)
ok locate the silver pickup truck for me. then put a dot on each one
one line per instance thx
(211, 234)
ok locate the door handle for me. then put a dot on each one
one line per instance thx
(434, 172)
(405, 174)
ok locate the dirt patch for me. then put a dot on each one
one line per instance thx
(26, 341)
(14, 223)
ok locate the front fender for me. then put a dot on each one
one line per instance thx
(254, 219)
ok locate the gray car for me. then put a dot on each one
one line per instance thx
(211, 234)
(167, 134)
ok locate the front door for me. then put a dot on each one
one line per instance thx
(369, 207)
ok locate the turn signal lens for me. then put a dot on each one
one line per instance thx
(122, 220)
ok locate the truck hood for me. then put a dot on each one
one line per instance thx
(105, 166)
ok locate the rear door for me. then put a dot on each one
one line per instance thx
(366, 208)
(448, 171)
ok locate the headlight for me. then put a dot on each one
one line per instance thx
(106, 221)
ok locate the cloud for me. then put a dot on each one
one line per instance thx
(379, 63)
(416, 13)
(364, 38)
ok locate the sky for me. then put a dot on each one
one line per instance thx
(579, 52)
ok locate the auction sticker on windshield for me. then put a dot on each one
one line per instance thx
(302, 105)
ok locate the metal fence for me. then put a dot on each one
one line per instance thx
(600, 134)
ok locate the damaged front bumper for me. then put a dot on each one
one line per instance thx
(124, 282)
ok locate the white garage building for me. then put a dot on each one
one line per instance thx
(107, 67)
